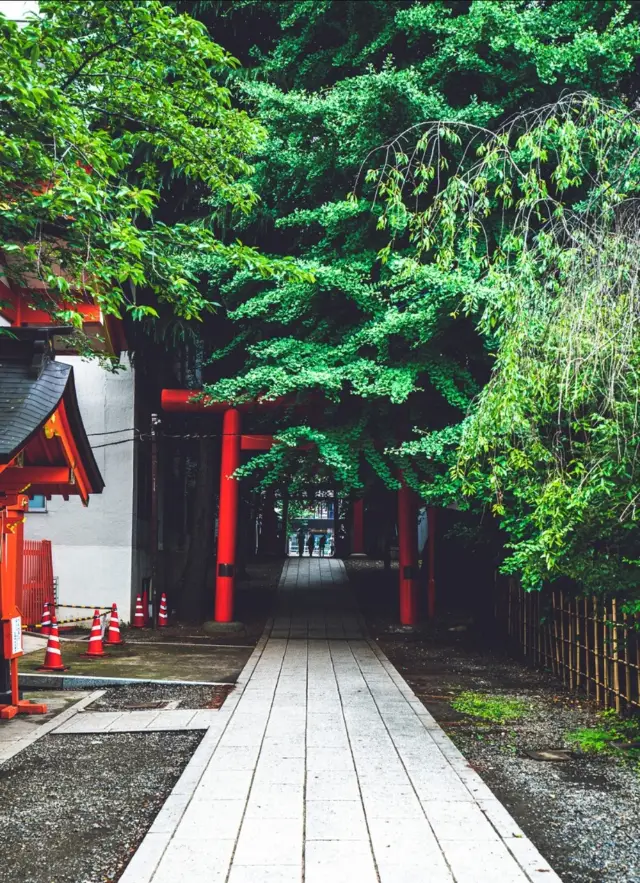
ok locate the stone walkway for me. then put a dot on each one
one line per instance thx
(139, 721)
(324, 767)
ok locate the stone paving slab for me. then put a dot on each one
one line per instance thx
(324, 767)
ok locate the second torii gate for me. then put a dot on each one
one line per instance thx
(233, 443)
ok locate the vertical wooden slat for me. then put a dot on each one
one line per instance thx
(587, 651)
(578, 639)
(596, 647)
(637, 660)
(615, 654)
(524, 618)
(606, 643)
(571, 644)
(563, 646)
(555, 633)
(38, 583)
(627, 661)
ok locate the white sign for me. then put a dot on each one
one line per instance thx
(16, 635)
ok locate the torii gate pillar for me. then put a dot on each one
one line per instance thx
(228, 516)
(357, 535)
(408, 554)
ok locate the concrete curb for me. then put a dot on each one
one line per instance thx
(29, 680)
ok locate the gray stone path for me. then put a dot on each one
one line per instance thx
(139, 721)
(324, 767)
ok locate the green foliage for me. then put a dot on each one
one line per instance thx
(497, 709)
(544, 212)
(601, 739)
(482, 251)
(107, 110)
(379, 342)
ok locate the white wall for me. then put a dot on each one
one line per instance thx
(92, 547)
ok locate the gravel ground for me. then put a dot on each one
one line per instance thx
(583, 814)
(116, 698)
(74, 808)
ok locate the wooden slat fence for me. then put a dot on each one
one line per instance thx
(588, 642)
(37, 580)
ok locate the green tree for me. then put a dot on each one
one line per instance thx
(544, 213)
(111, 113)
(377, 348)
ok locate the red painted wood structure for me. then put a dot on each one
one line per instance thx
(357, 536)
(17, 308)
(37, 579)
(233, 443)
(43, 450)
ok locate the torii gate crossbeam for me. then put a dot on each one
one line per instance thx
(233, 443)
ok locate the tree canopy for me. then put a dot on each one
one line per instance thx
(391, 352)
(107, 110)
(415, 221)
(544, 211)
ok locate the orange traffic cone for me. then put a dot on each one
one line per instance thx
(138, 618)
(53, 656)
(112, 635)
(163, 618)
(95, 638)
(45, 624)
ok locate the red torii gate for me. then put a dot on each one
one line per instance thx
(233, 443)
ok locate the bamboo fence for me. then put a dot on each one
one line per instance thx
(588, 642)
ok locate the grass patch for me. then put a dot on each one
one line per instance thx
(489, 708)
(602, 738)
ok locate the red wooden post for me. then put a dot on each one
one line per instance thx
(11, 546)
(431, 540)
(228, 516)
(357, 546)
(408, 552)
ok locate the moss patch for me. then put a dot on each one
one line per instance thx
(608, 736)
(496, 709)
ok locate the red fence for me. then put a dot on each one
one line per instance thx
(37, 580)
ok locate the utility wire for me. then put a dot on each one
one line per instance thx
(113, 431)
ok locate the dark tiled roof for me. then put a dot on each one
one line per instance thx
(32, 385)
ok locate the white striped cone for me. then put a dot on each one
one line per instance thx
(45, 624)
(53, 656)
(95, 647)
(112, 634)
(163, 618)
(138, 618)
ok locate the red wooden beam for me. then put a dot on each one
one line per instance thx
(256, 442)
(58, 425)
(24, 477)
(185, 400)
(19, 312)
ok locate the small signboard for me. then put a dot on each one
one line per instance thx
(16, 635)
(12, 637)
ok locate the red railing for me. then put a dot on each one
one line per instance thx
(37, 580)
